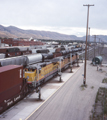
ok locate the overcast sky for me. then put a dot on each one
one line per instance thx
(63, 16)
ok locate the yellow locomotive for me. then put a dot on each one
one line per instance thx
(39, 73)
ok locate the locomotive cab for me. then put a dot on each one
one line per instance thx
(32, 73)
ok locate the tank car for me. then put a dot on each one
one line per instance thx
(19, 60)
(2, 55)
(33, 58)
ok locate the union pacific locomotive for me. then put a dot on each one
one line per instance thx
(23, 74)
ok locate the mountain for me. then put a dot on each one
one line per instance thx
(14, 32)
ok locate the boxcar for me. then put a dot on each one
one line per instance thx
(11, 82)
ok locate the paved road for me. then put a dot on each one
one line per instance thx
(71, 101)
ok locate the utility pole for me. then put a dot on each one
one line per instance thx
(88, 42)
(94, 46)
(84, 80)
(99, 46)
(0, 43)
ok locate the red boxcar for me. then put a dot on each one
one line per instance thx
(11, 83)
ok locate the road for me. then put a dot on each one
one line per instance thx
(71, 101)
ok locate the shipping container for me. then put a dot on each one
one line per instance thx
(11, 81)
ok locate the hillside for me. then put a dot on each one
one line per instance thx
(14, 32)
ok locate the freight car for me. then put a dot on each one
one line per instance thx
(10, 51)
(19, 60)
(14, 87)
(33, 58)
(10, 85)
(22, 60)
(2, 55)
(47, 50)
(14, 51)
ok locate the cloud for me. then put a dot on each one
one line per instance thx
(64, 16)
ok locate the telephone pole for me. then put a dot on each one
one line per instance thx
(94, 46)
(84, 80)
(88, 42)
(99, 47)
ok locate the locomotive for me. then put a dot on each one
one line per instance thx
(23, 74)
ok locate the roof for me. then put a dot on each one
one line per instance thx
(9, 67)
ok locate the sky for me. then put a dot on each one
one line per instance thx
(63, 16)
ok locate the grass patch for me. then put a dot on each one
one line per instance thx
(101, 100)
(104, 80)
(105, 110)
(83, 87)
(92, 87)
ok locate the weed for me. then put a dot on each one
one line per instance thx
(92, 87)
(83, 87)
(104, 80)
(105, 110)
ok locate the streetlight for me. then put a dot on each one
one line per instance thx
(84, 80)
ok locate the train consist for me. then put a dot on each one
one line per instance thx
(22, 75)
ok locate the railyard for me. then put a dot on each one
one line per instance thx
(74, 102)
(60, 101)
